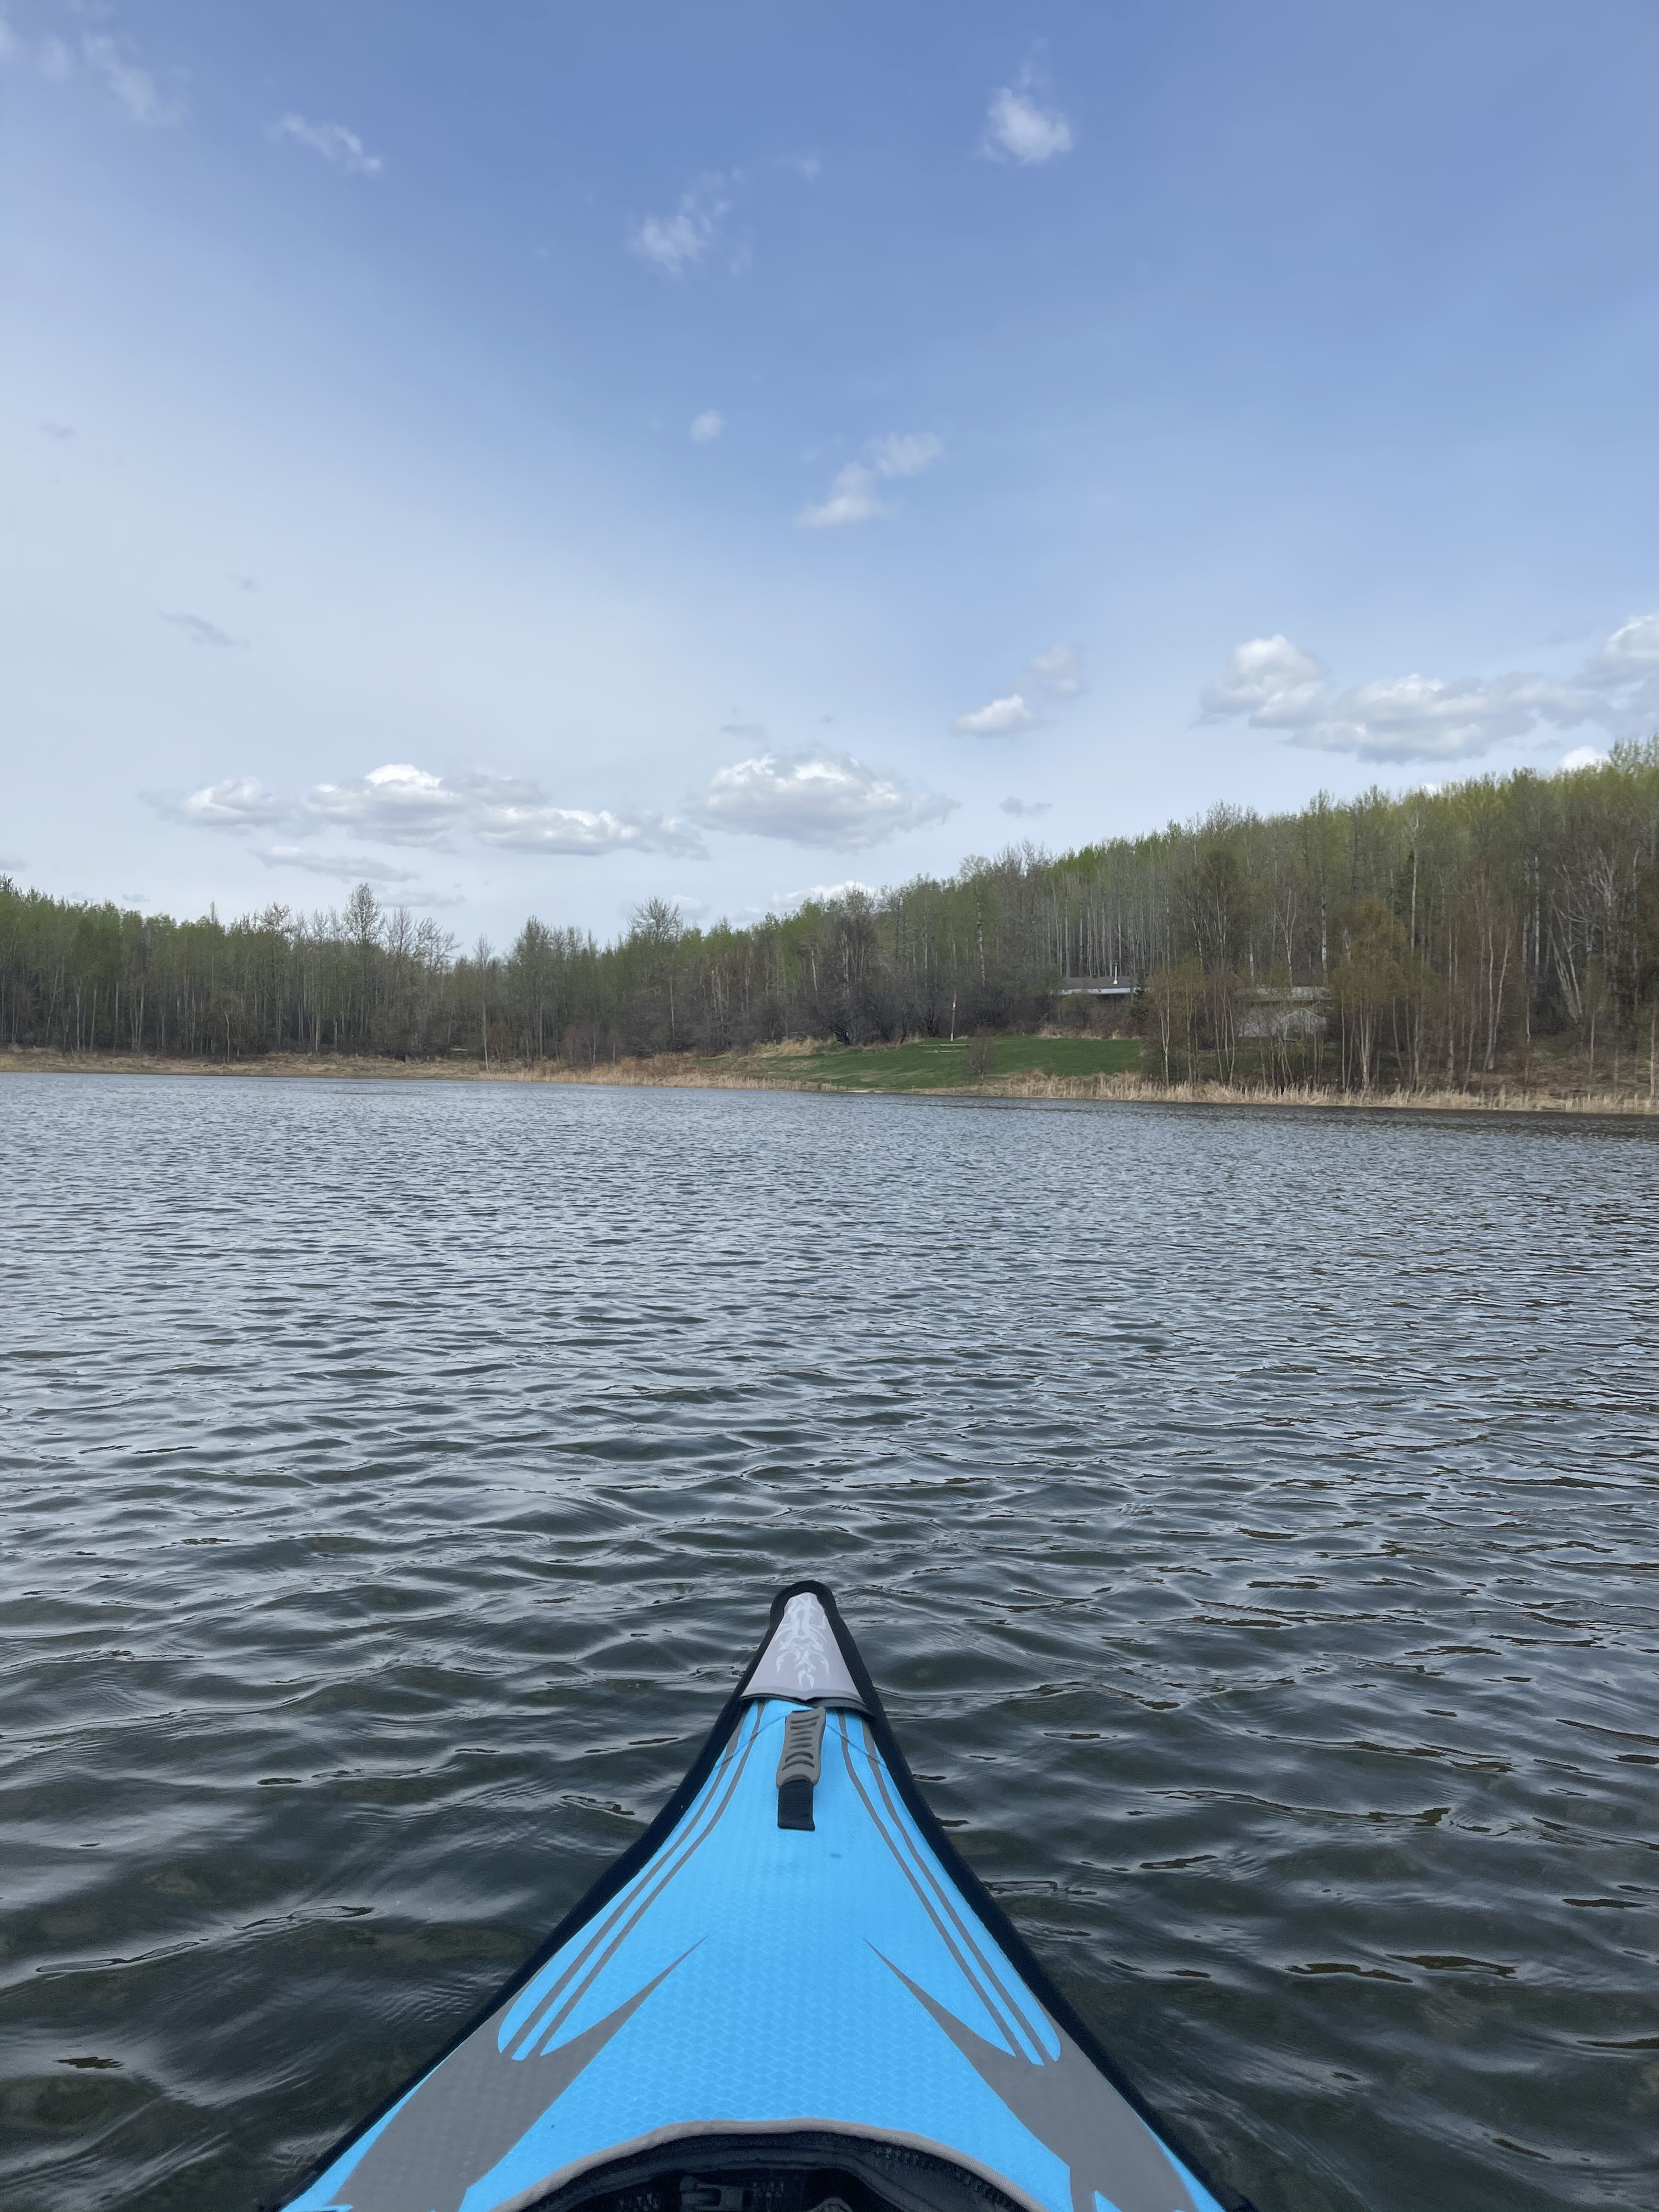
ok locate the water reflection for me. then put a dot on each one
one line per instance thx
(1249, 1517)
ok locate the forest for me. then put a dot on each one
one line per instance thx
(1402, 941)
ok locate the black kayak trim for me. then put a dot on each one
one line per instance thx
(622, 1870)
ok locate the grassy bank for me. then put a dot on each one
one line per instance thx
(934, 1064)
(1022, 1067)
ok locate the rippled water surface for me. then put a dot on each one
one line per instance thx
(1250, 1518)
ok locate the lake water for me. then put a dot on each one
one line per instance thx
(1251, 1518)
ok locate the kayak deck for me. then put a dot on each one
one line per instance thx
(792, 1996)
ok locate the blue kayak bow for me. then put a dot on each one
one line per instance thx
(790, 1995)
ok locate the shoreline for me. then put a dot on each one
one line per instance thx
(754, 1071)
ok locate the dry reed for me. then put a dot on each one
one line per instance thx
(754, 1071)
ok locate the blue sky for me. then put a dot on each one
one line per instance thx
(536, 456)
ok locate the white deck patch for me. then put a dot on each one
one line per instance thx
(803, 1659)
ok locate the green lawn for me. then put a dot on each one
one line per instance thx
(935, 1064)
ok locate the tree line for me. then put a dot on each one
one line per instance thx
(1415, 939)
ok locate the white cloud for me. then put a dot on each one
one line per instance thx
(1624, 678)
(1000, 717)
(401, 805)
(819, 895)
(1279, 687)
(1017, 130)
(1631, 655)
(576, 831)
(852, 495)
(199, 630)
(1624, 674)
(240, 802)
(398, 804)
(815, 798)
(343, 148)
(405, 805)
(707, 427)
(1059, 671)
(1026, 806)
(852, 499)
(344, 868)
(110, 60)
(1269, 678)
(1436, 718)
(134, 86)
(1580, 756)
(671, 244)
(905, 452)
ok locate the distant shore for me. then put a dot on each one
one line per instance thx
(769, 1068)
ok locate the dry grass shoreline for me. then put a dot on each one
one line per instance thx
(768, 1068)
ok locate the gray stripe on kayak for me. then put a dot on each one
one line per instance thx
(951, 1906)
(1106, 2145)
(608, 1920)
(974, 1980)
(429, 2162)
(466, 2115)
(1064, 2102)
(654, 1879)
